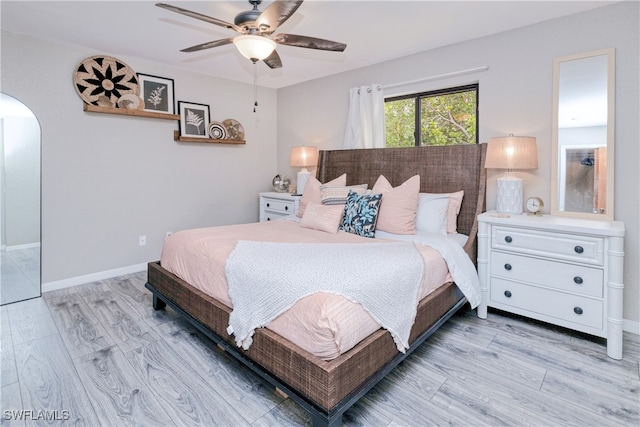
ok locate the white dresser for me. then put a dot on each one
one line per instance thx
(559, 270)
(275, 205)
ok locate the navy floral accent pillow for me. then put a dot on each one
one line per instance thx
(361, 213)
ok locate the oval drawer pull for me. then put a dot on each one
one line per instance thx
(578, 280)
(577, 310)
(578, 249)
(268, 219)
(507, 294)
(507, 267)
(508, 239)
(268, 204)
(286, 208)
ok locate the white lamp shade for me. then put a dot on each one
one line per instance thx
(512, 152)
(255, 48)
(302, 157)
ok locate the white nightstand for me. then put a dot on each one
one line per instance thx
(559, 270)
(275, 205)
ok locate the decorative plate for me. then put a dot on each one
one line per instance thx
(235, 130)
(105, 76)
(130, 101)
(217, 130)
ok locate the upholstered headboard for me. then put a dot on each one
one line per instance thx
(442, 169)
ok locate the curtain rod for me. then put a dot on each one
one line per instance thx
(440, 76)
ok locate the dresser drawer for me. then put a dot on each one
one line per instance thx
(577, 309)
(279, 206)
(567, 277)
(569, 247)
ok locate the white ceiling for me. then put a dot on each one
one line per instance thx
(374, 31)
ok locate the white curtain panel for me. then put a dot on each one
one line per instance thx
(365, 122)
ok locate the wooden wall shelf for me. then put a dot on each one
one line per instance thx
(125, 112)
(177, 137)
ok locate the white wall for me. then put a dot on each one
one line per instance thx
(515, 96)
(107, 179)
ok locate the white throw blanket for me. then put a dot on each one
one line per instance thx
(265, 279)
(462, 270)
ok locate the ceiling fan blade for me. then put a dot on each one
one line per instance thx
(273, 60)
(275, 14)
(208, 45)
(309, 42)
(200, 17)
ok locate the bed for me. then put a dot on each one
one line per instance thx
(327, 388)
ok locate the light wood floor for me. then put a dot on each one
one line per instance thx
(99, 354)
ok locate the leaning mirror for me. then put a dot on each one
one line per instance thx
(583, 126)
(19, 201)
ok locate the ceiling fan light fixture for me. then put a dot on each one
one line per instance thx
(253, 47)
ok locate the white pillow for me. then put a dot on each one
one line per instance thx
(331, 195)
(432, 213)
(455, 203)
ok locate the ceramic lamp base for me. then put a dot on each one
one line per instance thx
(509, 195)
(303, 176)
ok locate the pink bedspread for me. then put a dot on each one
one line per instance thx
(326, 325)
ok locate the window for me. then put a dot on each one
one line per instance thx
(441, 117)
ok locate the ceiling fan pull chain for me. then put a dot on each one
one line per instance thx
(255, 86)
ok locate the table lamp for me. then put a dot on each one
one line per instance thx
(303, 157)
(511, 152)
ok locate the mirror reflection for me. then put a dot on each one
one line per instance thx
(19, 201)
(583, 135)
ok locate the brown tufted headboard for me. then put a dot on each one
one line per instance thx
(442, 169)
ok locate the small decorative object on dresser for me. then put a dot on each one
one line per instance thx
(564, 271)
(534, 206)
(281, 183)
(277, 205)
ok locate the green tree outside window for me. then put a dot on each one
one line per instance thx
(444, 117)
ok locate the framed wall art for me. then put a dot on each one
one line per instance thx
(194, 119)
(157, 93)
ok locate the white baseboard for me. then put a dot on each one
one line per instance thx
(631, 326)
(80, 280)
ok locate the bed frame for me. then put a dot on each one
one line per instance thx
(327, 389)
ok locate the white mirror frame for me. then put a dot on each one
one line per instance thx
(556, 177)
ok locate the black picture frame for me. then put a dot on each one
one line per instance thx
(158, 93)
(194, 119)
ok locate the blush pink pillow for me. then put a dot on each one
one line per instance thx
(325, 218)
(312, 191)
(455, 203)
(399, 205)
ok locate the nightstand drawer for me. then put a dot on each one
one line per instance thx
(581, 310)
(569, 247)
(572, 278)
(279, 206)
(272, 216)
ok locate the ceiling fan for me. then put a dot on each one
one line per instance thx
(257, 41)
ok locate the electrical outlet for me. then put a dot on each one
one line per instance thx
(142, 240)
(168, 233)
